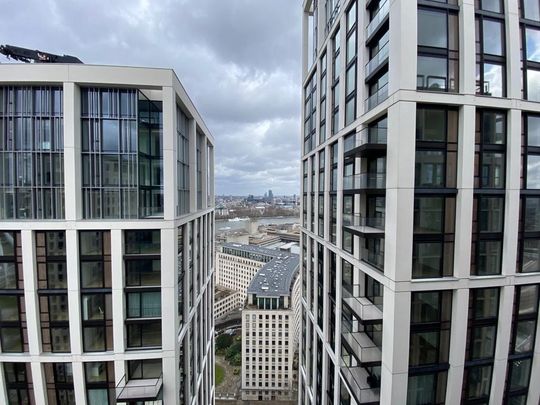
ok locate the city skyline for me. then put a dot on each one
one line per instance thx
(238, 60)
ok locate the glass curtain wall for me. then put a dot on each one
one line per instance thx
(31, 153)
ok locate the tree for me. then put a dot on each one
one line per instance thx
(223, 341)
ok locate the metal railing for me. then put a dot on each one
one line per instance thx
(359, 221)
(377, 60)
(362, 345)
(373, 135)
(364, 180)
(137, 389)
(378, 18)
(361, 390)
(352, 292)
(375, 99)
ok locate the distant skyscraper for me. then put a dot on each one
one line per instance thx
(106, 238)
(270, 194)
(420, 202)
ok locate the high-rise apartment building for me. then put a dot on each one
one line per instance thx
(421, 202)
(106, 238)
(270, 331)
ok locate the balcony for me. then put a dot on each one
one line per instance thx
(362, 346)
(379, 60)
(375, 99)
(365, 181)
(377, 20)
(361, 306)
(364, 225)
(370, 142)
(357, 380)
(136, 390)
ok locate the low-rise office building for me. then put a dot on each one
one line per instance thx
(270, 331)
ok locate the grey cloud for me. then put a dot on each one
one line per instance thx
(238, 59)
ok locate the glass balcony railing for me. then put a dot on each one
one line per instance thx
(373, 135)
(380, 58)
(375, 99)
(364, 180)
(364, 224)
(377, 20)
(132, 391)
(360, 343)
(357, 380)
(374, 258)
(362, 306)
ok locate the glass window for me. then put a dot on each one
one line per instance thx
(520, 372)
(528, 299)
(143, 272)
(9, 308)
(491, 214)
(428, 214)
(531, 10)
(533, 85)
(532, 39)
(478, 382)
(111, 136)
(430, 169)
(493, 128)
(7, 244)
(142, 242)
(142, 369)
(533, 171)
(493, 36)
(427, 259)
(489, 257)
(432, 73)
(425, 307)
(427, 388)
(486, 303)
(430, 125)
(91, 243)
(531, 218)
(92, 274)
(524, 340)
(483, 342)
(533, 130)
(94, 339)
(432, 29)
(495, 6)
(144, 305)
(493, 84)
(424, 348)
(146, 334)
(8, 276)
(531, 255)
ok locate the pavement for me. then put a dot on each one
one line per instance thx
(230, 387)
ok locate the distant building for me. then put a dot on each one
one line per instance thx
(236, 265)
(270, 331)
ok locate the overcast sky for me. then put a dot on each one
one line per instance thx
(239, 60)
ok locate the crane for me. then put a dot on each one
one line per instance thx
(35, 56)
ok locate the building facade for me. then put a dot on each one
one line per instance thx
(270, 331)
(420, 202)
(106, 238)
(237, 264)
